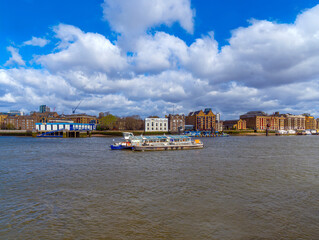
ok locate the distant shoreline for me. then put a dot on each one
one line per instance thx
(112, 133)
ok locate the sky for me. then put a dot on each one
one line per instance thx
(142, 57)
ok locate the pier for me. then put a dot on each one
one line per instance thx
(63, 133)
(63, 130)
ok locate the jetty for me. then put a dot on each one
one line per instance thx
(63, 130)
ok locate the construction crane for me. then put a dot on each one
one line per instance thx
(74, 109)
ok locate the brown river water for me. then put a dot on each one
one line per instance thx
(234, 188)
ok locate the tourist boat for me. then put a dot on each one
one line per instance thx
(164, 143)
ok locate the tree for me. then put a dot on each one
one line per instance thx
(108, 122)
(133, 122)
(10, 126)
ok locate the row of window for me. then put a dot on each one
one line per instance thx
(156, 129)
(148, 124)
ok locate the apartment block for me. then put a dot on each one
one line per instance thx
(259, 120)
(20, 122)
(310, 122)
(295, 122)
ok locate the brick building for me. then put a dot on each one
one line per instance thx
(310, 122)
(20, 122)
(176, 122)
(202, 120)
(2, 120)
(259, 120)
(234, 124)
(295, 122)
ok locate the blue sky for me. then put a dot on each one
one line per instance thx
(132, 57)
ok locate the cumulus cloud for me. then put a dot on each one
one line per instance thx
(40, 42)
(135, 17)
(158, 53)
(83, 51)
(267, 66)
(15, 58)
(270, 54)
(7, 98)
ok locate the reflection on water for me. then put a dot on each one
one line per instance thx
(234, 188)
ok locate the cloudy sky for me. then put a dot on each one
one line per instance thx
(153, 57)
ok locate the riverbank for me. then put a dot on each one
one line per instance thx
(17, 133)
(109, 133)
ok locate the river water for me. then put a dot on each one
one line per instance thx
(234, 188)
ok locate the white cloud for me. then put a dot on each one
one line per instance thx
(133, 18)
(266, 66)
(15, 57)
(7, 98)
(83, 51)
(158, 53)
(40, 42)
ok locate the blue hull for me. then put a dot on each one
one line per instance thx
(119, 147)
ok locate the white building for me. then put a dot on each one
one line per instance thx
(64, 126)
(156, 125)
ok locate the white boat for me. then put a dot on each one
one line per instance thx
(164, 143)
(291, 131)
(306, 132)
(281, 132)
(157, 143)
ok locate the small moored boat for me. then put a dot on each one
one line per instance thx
(121, 146)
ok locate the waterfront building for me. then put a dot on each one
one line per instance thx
(156, 125)
(259, 120)
(44, 108)
(2, 120)
(176, 122)
(294, 122)
(20, 122)
(55, 126)
(310, 121)
(202, 120)
(234, 124)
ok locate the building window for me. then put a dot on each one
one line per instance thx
(148, 124)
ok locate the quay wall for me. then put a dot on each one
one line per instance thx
(23, 133)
